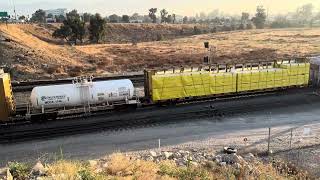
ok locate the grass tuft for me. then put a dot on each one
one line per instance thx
(62, 169)
(19, 171)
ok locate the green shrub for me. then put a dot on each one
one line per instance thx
(19, 171)
(167, 169)
(196, 30)
(192, 173)
(160, 37)
(86, 175)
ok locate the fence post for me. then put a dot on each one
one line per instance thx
(269, 139)
(291, 138)
(159, 143)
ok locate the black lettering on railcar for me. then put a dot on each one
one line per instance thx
(53, 99)
(123, 91)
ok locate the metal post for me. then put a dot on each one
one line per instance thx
(269, 139)
(159, 143)
(291, 138)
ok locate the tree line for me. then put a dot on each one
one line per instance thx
(304, 16)
(74, 28)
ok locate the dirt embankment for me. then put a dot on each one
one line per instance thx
(30, 52)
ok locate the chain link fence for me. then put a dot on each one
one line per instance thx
(298, 145)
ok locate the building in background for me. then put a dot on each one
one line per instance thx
(56, 12)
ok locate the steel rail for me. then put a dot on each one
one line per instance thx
(143, 117)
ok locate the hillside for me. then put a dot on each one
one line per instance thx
(29, 51)
(125, 33)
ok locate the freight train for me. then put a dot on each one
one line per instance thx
(83, 96)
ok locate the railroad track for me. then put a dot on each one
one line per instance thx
(23, 86)
(85, 125)
(149, 116)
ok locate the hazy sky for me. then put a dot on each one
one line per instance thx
(181, 7)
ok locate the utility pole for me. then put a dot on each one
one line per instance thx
(291, 134)
(14, 10)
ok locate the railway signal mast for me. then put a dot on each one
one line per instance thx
(211, 50)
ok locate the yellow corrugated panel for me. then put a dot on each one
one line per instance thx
(244, 77)
(187, 80)
(286, 81)
(200, 90)
(278, 83)
(293, 80)
(220, 80)
(255, 77)
(263, 85)
(190, 91)
(219, 90)
(212, 90)
(243, 87)
(212, 81)
(249, 87)
(207, 89)
(271, 84)
(285, 73)
(297, 68)
(172, 93)
(301, 80)
(157, 82)
(293, 71)
(278, 75)
(229, 89)
(7, 105)
(307, 68)
(206, 78)
(173, 81)
(156, 94)
(302, 71)
(179, 85)
(270, 75)
(254, 86)
(263, 76)
(225, 79)
(196, 79)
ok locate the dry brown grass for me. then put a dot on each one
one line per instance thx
(124, 167)
(62, 170)
(129, 168)
(232, 47)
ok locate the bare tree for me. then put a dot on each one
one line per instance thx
(304, 14)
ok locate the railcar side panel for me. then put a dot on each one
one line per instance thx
(173, 85)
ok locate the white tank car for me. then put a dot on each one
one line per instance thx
(69, 95)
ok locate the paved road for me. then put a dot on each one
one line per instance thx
(222, 117)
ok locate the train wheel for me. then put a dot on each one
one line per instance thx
(44, 117)
(126, 107)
